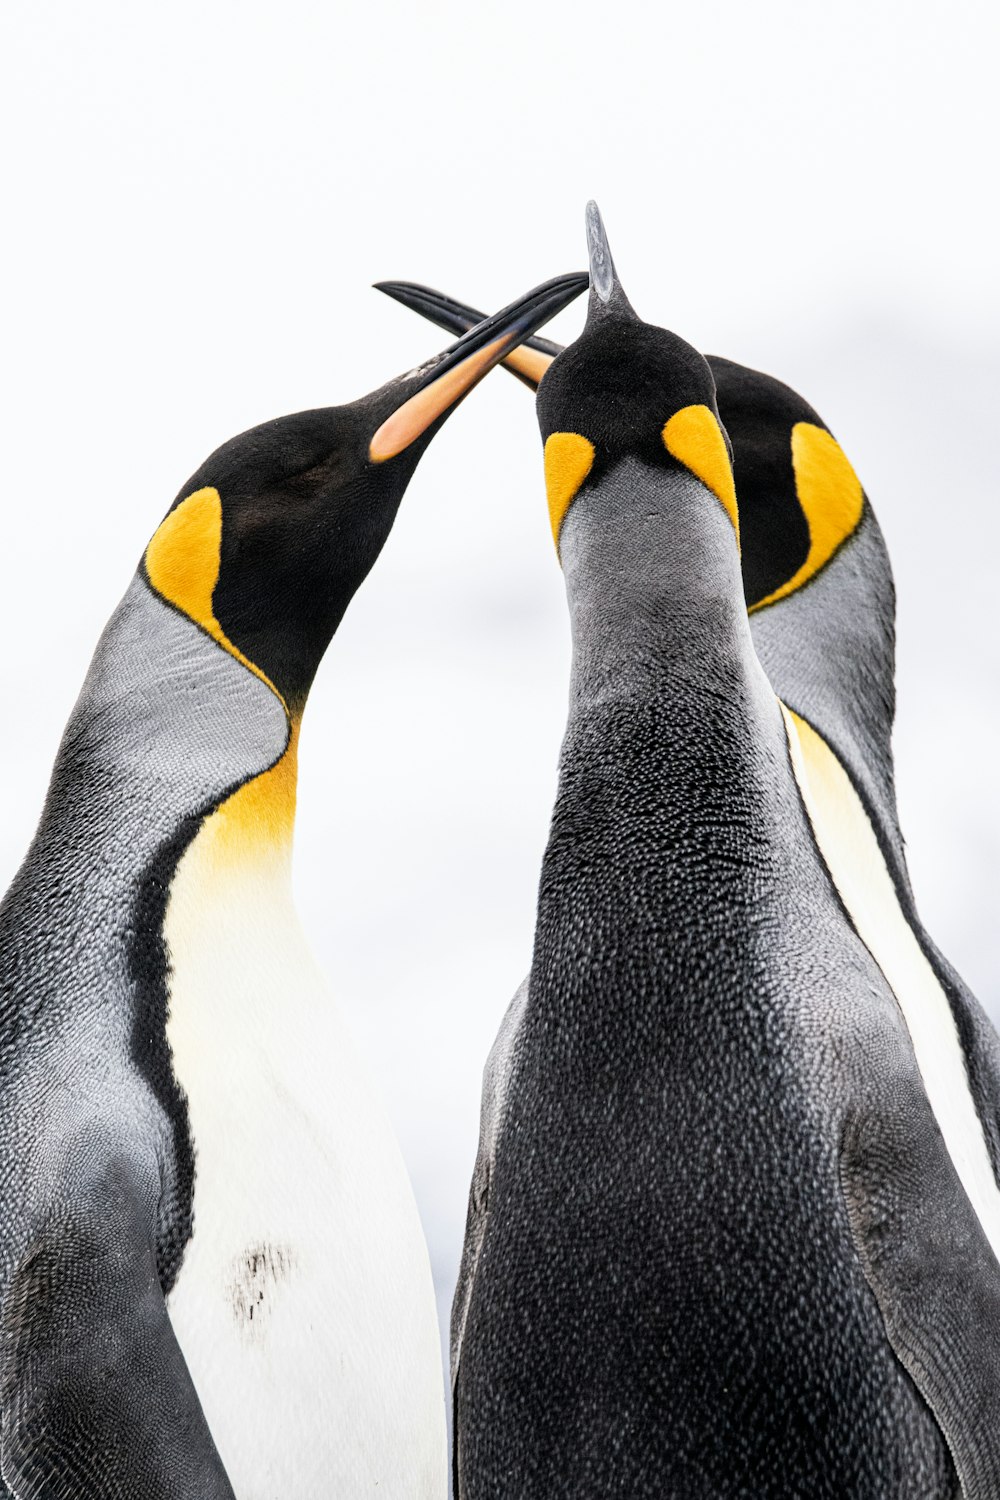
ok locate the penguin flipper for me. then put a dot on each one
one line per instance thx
(95, 1397)
(934, 1276)
(496, 1076)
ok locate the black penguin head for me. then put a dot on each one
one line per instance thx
(799, 498)
(267, 543)
(627, 390)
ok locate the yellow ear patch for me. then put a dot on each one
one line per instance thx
(182, 564)
(831, 498)
(694, 438)
(569, 458)
(182, 560)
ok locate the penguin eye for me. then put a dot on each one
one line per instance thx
(695, 439)
(318, 473)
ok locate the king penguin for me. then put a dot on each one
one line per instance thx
(720, 1241)
(819, 590)
(213, 1281)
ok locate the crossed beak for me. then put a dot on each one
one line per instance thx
(437, 387)
(529, 361)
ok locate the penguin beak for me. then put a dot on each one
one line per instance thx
(528, 362)
(533, 357)
(606, 294)
(437, 387)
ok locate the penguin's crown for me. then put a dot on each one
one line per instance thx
(626, 388)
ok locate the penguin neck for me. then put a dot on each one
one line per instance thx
(173, 732)
(654, 589)
(674, 775)
(254, 826)
(829, 652)
(175, 754)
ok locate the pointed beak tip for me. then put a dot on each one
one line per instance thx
(602, 267)
(607, 296)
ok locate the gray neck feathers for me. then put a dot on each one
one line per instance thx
(675, 790)
(166, 725)
(653, 584)
(829, 651)
(166, 717)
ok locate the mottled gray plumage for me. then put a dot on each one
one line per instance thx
(194, 689)
(166, 723)
(829, 652)
(705, 1136)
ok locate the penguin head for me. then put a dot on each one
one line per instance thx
(799, 498)
(628, 393)
(268, 541)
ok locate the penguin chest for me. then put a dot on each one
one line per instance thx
(304, 1305)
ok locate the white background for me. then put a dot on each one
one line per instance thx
(196, 199)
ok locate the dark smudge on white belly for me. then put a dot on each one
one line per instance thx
(255, 1278)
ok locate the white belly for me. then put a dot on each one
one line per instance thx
(304, 1305)
(847, 842)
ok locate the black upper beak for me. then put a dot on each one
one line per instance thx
(528, 361)
(438, 386)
